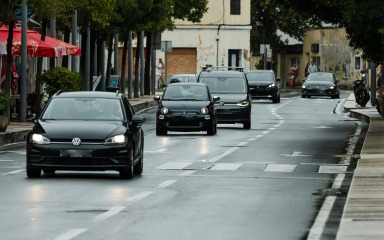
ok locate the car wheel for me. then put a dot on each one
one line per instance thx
(49, 171)
(211, 130)
(275, 99)
(247, 124)
(309, 96)
(127, 173)
(138, 169)
(278, 100)
(215, 128)
(161, 131)
(303, 96)
(33, 172)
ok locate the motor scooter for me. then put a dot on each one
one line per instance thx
(361, 94)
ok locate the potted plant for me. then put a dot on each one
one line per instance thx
(6, 101)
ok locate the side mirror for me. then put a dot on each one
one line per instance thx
(216, 98)
(31, 117)
(303, 79)
(136, 121)
(156, 98)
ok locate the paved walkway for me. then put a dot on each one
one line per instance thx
(363, 216)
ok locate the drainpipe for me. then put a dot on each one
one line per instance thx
(217, 44)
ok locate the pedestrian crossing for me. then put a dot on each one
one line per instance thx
(262, 166)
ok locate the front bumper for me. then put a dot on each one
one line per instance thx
(318, 92)
(84, 157)
(233, 114)
(263, 92)
(185, 123)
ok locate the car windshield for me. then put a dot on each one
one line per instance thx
(186, 92)
(320, 77)
(259, 76)
(183, 79)
(83, 109)
(225, 84)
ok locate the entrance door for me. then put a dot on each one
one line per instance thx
(234, 58)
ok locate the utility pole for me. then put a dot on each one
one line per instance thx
(23, 85)
(74, 40)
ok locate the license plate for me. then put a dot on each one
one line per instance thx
(76, 153)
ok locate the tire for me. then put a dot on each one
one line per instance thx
(275, 99)
(33, 172)
(278, 100)
(127, 173)
(211, 131)
(138, 168)
(247, 124)
(161, 131)
(303, 96)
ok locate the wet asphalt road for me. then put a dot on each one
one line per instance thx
(264, 183)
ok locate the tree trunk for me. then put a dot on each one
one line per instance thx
(83, 50)
(7, 84)
(110, 44)
(124, 62)
(147, 81)
(67, 34)
(137, 63)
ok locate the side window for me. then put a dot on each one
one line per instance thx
(235, 7)
(128, 109)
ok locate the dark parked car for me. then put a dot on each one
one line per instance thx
(321, 84)
(235, 99)
(264, 85)
(186, 107)
(86, 131)
(177, 78)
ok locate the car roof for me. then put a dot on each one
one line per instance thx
(260, 71)
(177, 75)
(186, 83)
(96, 94)
(321, 73)
(222, 74)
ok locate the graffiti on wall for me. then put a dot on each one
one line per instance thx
(205, 53)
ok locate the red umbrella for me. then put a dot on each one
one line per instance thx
(61, 48)
(35, 47)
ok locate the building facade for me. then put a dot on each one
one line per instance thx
(222, 38)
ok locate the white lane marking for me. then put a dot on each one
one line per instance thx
(14, 172)
(161, 150)
(271, 129)
(321, 219)
(166, 183)
(280, 168)
(371, 156)
(265, 132)
(333, 169)
(252, 139)
(187, 173)
(71, 234)
(139, 196)
(338, 181)
(229, 151)
(295, 154)
(113, 211)
(174, 165)
(259, 136)
(323, 127)
(6, 160)
(226, 166)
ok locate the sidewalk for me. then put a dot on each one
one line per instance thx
(18, 131)
(363, 216)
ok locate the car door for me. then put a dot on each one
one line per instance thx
(135, 133)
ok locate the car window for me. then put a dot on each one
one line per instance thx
(225, 84)
(83, 109)
(186, 92)
(259, 76)
(320, 77)
(180, 79)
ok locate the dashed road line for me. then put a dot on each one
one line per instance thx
(166, 183)
(111, 212)
(139, 196)
(71, 234)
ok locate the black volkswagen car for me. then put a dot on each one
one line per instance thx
(186, 107)
(235, 99)
(86, 131)
(321, 84)
(264, 85)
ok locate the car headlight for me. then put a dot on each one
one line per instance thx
(304, 86)
(243, 103)
(118, 139)
(271, 85)
(331, 87)
(204, 110)
(164, 110)
(40, 139)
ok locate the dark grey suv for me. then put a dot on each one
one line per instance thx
(235, 100)
(264, 85)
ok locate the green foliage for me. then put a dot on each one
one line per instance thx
(61, 78)
(6, 101)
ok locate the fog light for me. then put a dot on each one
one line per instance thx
(201, 124)
(161, 117)
(207, 117)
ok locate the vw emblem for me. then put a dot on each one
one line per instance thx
(184, 113)
(221, 103)
(76, 141)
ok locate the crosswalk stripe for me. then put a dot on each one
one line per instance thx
(280, 168)
(174, 165)
(226, 166)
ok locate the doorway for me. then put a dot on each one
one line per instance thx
(234, 57)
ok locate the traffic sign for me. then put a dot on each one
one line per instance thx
(166, 46)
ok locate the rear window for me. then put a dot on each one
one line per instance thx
(259, 76)
(225, 84)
